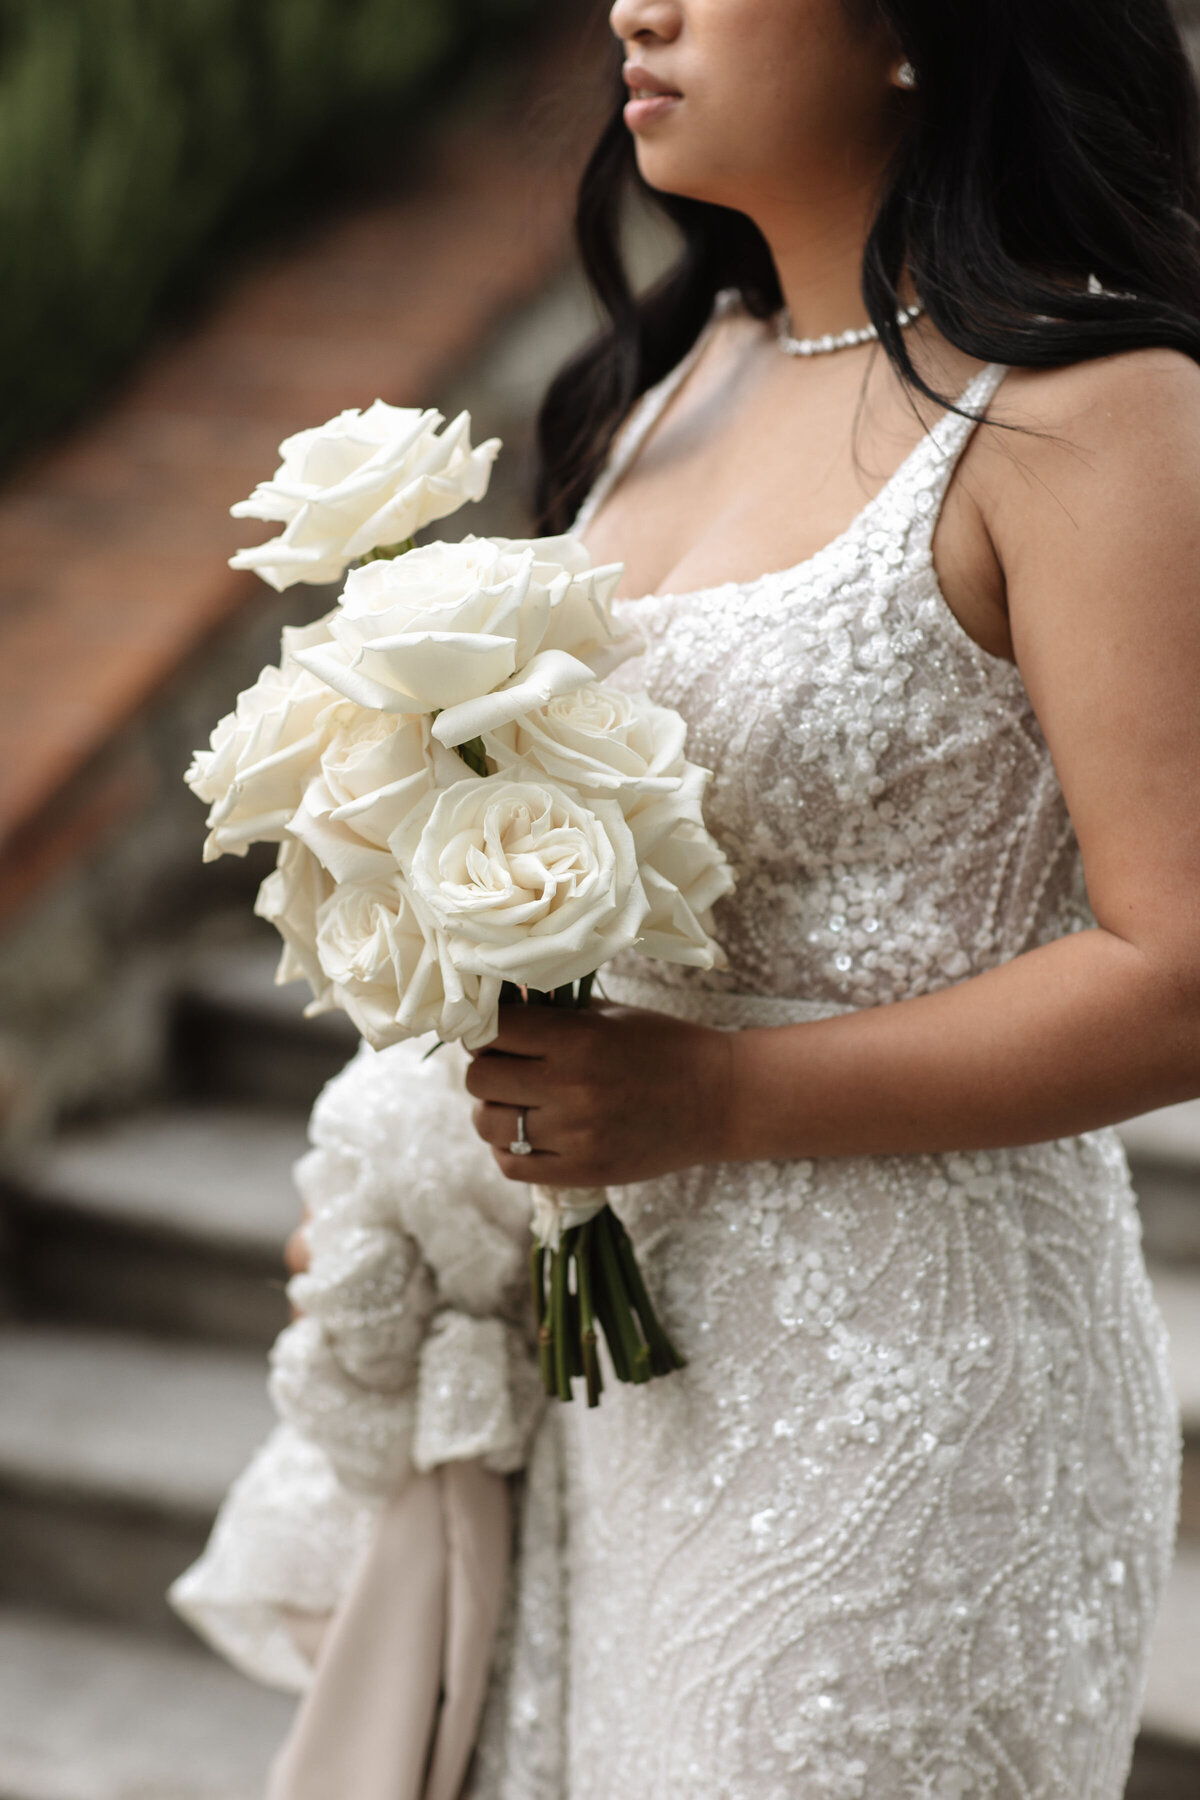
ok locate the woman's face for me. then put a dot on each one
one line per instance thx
(747, 101)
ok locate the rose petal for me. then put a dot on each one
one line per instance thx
(437, 669)
(549, 673)
(331, 664)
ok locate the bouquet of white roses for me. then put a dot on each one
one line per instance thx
(465, 810)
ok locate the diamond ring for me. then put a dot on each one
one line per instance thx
(520, 1145)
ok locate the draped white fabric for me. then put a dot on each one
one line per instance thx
(413, 1351)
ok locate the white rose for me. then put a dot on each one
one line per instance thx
(684, 876)
(524, 880)
(476, 631)
(581, 621)
(291, 897)
(611, 741)
(372, 771)
(599, 739)
(394, 977)
(684, 871)
(261, 757)
(363, 481)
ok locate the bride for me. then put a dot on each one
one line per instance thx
(928, 358)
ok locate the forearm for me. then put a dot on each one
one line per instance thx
(1075, 1035)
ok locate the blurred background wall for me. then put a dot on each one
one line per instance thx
(224, 220)
(142, 140)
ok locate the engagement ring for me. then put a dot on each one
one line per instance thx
(520, 1145)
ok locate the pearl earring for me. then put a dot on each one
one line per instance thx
(906, 75)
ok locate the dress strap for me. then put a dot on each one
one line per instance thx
(645, 415)
(938, 455)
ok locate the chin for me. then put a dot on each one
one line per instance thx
(670, 173)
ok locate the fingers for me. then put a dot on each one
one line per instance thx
(296, 1253)
(545, 1168)
(297, 1256)
(497, 1126)
(534, 1030)
(506, 1080)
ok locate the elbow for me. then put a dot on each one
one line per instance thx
(1175, 1001)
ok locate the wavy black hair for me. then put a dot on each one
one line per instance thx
(1050, 141)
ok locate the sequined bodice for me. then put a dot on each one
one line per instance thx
(880, 782)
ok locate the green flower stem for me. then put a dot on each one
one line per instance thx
(545, 1337)
(575, 1323)
(389, 552)
(637, 1354)
(606, 1313)
(474, 755)
(663, 1355)
(560, 1324)
(591, 1359)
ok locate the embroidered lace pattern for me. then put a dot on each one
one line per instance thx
(899, 1529)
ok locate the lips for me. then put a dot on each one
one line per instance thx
(644, 85)
(651, 99)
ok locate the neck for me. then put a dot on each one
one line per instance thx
(818, 250)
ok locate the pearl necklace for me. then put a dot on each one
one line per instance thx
(821, 346)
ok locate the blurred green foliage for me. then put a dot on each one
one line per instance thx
(132, 130)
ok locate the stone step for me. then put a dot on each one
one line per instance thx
(170, 1220)
(236, 1035)
(95, 1712)
(1164, 1157)
(1163, 1769)
(1168, 1138)
(114, 1454)
(1171, 1714)
(1178, 1294)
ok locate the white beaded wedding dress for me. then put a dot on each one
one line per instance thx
(899, 1529)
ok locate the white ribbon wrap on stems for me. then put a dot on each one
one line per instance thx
(556, 1210)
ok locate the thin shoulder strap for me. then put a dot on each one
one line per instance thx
(645, 415)
(944, 445)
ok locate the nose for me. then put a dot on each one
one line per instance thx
(642, 21)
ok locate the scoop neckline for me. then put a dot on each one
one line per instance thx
(795, 570)
(989, 658)
(725, 301)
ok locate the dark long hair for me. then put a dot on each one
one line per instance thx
(1050, 141)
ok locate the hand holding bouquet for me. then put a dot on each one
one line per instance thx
(465, 809)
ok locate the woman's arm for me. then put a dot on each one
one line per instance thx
(1097, 529)
(1098, 533)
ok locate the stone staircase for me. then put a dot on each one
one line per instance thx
(146, 1284)
(141, 1279)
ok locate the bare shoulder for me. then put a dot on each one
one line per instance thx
(1138, 390)
(1113, 438)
